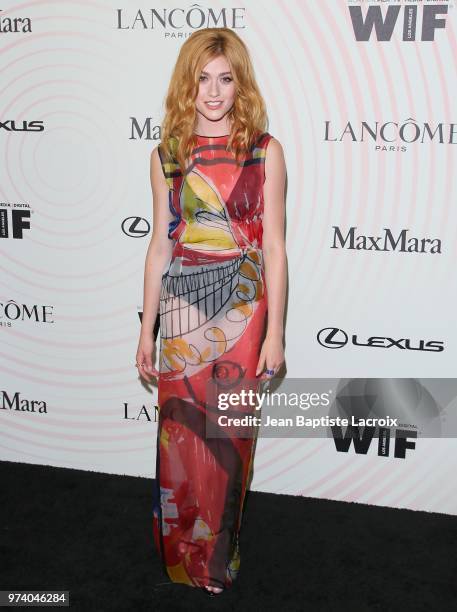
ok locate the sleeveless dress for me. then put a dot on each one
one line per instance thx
(213, 308)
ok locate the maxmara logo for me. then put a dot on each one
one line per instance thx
(410, 21)
(147, 130)
(389, 135)
(9, 24)
(388, 241)
(173, 20)
(21, 404)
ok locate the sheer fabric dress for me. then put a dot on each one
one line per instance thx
(213, 309)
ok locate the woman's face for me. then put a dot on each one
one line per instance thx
(217, 86)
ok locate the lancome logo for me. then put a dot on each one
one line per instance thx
(11, 311)
(386, 242)
(175, 21)
(416, 22)
(141, 413)
(389, 135)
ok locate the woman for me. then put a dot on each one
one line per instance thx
(217, 246)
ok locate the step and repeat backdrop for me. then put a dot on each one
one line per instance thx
(361, 95)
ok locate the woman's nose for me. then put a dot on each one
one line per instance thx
(214, 88)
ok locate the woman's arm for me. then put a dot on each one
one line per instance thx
(274, 253)
(157, 258)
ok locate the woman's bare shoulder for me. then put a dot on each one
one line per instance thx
(274, 144)
(274, 152)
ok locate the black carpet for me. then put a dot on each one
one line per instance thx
(91, 534)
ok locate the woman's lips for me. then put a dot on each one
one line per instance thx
(213, 105)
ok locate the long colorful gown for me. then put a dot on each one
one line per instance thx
(213, 308)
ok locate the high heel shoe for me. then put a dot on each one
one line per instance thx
(211, 593)
(207, 591)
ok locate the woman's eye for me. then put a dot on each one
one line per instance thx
(225, 79)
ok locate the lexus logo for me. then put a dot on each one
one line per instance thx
(334, 337)
(136, 227)
(13, 125)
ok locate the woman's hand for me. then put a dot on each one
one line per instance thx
(145, 358)
(271, 355)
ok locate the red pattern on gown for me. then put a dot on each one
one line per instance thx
(213, 308)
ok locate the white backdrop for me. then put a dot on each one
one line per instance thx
(83, 85)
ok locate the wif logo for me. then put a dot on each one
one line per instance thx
(416, 23)
(362, 441)
(416, 412)
(13, 222)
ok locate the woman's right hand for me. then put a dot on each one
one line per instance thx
(145, 358)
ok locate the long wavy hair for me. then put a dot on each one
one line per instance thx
(247, 117)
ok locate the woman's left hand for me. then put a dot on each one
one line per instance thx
(271, 356)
